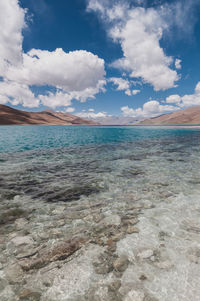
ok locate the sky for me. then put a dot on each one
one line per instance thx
(98, 58)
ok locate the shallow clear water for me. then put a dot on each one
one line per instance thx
(85, 175)
(48, 161)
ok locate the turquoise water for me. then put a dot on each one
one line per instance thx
(22, 138)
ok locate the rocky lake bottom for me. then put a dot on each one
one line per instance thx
(109, 221)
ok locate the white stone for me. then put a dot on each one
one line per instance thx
(134, 295)
(74, 278)
(14, 273)
(164, 264)
(22, 240)
(21, 223)
(145, 254)
(112, 220)
(8, 295)
(58, 210)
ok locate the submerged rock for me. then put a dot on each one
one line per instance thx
(112, 220)
(121, 264)
(103, 264)
(14, 273)
(29, 295)
(70, 194)
(59, 252)
(22, 240)
(132, 229)
(9, 216)
(21, 223)
(145, 254)
(134, 295)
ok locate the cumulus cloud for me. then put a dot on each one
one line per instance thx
(75, 75)
(12, 21)
(70, 110)
(91, 115)
(123, 85)
(178, 63)
(139, 31)
(57, 99)
(186, 100)
(150, 109)
(73, 71)
(172, 103)
(134, 92)
(173, 99)
(15, 94)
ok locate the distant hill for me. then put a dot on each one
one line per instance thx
(186, 116)
(116, 120)
(10, 116)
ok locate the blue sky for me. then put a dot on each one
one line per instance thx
(96, 58)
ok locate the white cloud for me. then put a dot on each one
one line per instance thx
(139, 32)
(76, 75)
(70, 110)
(186, 100)
(191, 99)
(197, 88)
(73, 71)
(16, 94)
(57, 99)
(92, 115)
(153, 108)
(128, 92)
(91, 110)
(96, 6)
(12, 21)
(90, 92)
(134, 92)
(123, 85)
(173, 99)
(178, 63)
(150, 109)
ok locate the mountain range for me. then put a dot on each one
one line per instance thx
(10, 116)
(185, 116)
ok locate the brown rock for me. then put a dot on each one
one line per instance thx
(114, 286)
(117, 236)
(109, 242)
(130, 221)
(121, 264)
(103, 264)
(29, 295)
(132, 229)
(143, 277)
(60, 252)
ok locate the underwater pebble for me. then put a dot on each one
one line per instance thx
(134, 295)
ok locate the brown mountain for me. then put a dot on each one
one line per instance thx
(186, 116)
(10, 116)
